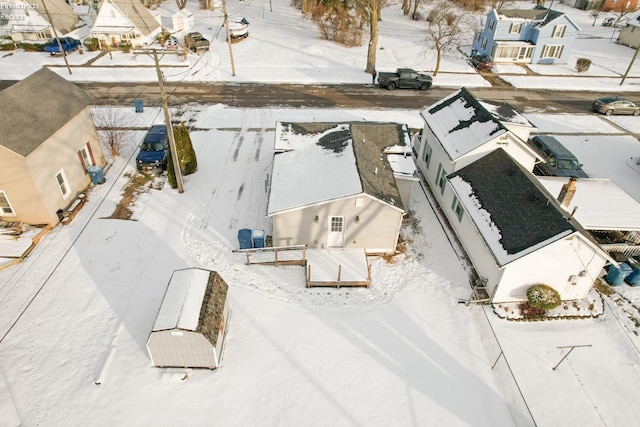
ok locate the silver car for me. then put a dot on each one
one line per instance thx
(615, 105)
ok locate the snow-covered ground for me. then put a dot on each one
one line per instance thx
(403, 352)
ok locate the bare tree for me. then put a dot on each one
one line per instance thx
(373, 11)
(446, 26)
(595, 10)
(114, 128)
(620, 14)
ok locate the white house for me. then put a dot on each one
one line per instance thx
(190, 327)
(173, 19)
(516, 234)
(125, 22)
(28, 20)
(460, 129)
(332, 185)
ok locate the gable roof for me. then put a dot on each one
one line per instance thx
(512, 214)
(29, 119)
(194, 301)
(64, 18)
(462, 123)
(540, 15)
(133, 11)
(319, 162)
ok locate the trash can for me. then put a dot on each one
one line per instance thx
(96, 173)
(258, 238)
(633, 279)
(616, 275)
(244, 238)
(139, 105)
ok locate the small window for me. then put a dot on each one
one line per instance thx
(336, 223)
(552, 51)
(484, 43)
(558, 31)
(86, 157)
(441, 178)
(457, 208)
(491, 24)
(63, 184)
(5, 206)
(551, 160)
(515, 28)
(427, 155)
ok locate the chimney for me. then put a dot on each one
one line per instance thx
(567, 192)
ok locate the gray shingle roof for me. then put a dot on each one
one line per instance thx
(64, 18)
(139, 15)
(35, 108)
(520, 210)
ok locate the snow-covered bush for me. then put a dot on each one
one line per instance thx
(543, 297)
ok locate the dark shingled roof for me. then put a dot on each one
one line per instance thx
(538, 13)
(212, 309)
(518, 207)
(35, 108)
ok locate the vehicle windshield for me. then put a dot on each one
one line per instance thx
(568, 164)
(152, 146)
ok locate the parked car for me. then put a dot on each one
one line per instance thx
(153, 151)
(558, 161)
(68, 44)
(196, 42)
(405, 78)
(615, 105)
(482, 62)
(171, 43)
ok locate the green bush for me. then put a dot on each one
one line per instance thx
(30, 46)
(91, 44)
(543, 297)
(186, 155)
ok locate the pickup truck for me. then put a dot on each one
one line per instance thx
(68, 44)
(196, 42)
(405, 78)
(153, 151)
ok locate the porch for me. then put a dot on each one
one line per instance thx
(337, 268)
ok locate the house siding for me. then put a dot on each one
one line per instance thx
(376, 231)
(191, 349)
(30, 182)
(630, 36)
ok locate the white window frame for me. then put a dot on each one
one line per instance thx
(491, 24)
(457, 208)
(63, 184)
(484, 43)
(441, 178)
(3, 209)
(515, 28)
(558, 31)
(86, 156)
(427, 155)
(552, 51)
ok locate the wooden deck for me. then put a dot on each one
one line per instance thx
(337, 268)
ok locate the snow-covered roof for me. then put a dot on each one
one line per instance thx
(505, 113)
(600, 203)
(461, 123)
(510, 212)
(318, 162)
(182, 301)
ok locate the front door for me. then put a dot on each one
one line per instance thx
(335, 233)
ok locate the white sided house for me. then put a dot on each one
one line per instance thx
(27, 20)
(516, 234)
(190, 327)
(125, 22)
(332, 185)
(459, 129)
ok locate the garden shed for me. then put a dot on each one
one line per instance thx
(191, 323)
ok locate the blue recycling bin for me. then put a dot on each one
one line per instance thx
(244, 238)
(139, 104)
(258, 238)
(96, 173)
(616, 275)
(633, 279)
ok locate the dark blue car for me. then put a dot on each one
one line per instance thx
(153, 151)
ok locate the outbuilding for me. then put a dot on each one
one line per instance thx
(191, 323)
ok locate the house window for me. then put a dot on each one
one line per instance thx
(441, 178)
(63, 184)
(336, 223)
(427, 155)
(457, 208)
(86, 157)
(490, 26)
(515, 28)
(552, 51)
(558, 31)
(5, 206)
(484, 43)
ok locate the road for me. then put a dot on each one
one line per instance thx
(256, 95)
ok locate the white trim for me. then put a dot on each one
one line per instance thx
(64, 183)
(3, 213)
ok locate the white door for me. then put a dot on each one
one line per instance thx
(335, 233)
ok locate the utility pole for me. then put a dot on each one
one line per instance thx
(630, 64)
(226, 27)
(55, 34)
(167, 119)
